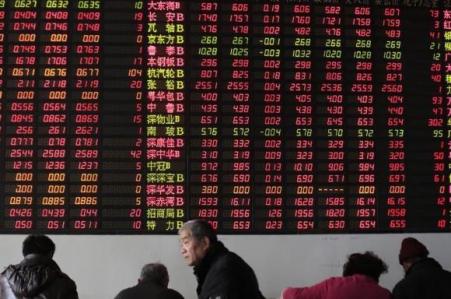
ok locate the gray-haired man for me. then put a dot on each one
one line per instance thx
(221, 274)
(152, 284)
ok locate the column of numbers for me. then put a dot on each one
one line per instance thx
(331, 149)
(205, 111)
(299, 110)
(436, 120)
(237, 117)
(52, 107)
(85, 120)
(362, 121)
(122, 133)
(20, 125)
(3, 201)
(269, 189)
(447, 93)
(392, 89)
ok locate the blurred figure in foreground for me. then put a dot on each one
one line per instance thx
(37, 276)
(360, 280)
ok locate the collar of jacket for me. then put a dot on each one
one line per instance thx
(148, 282)
(32, 275)
(213, 252)
(426, 263)
(37, 259)
(34, 257)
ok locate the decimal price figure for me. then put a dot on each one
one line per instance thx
(362, 201)
(205, 110)
(298, 104)
(271, 116)
(4, 201)
(85, 154)
(237, 131)
(21, 106)
(331, 116)
(53, 107)
(392, 88)
(269, 192)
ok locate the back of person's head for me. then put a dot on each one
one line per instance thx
(155, 273)
(412, 250)
(367, 264)
(199, 229)
(38, 244)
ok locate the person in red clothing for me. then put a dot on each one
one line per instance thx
(360, 280)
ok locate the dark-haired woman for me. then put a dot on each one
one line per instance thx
(360, 280)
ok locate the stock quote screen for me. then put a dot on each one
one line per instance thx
(281, 117)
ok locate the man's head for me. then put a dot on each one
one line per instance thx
(411, 251)
(38, 244)
(155, 273)
(367, 264)
(196, 236)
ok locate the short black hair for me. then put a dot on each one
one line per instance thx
(38, 244)
(367, 264)
(156, 273)
(200, 228)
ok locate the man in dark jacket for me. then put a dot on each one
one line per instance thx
(37, 276)
(152, 284)
(221, 274)
(424, 277)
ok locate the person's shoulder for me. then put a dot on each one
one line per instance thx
(349, 281)
(376, 288)
(5, 289)
(400, 285)
(228, 266)
(230, 262)
(64, 278)
(10, 269)
(160, 292)
(385, 291)
(173, 294)
(62, 285)
(233, 258)
(126, 293)
(333, 280)
(447, 272)
(291, 293)
(3, 282)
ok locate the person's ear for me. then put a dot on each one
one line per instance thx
(205, 243)
(166, 282)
